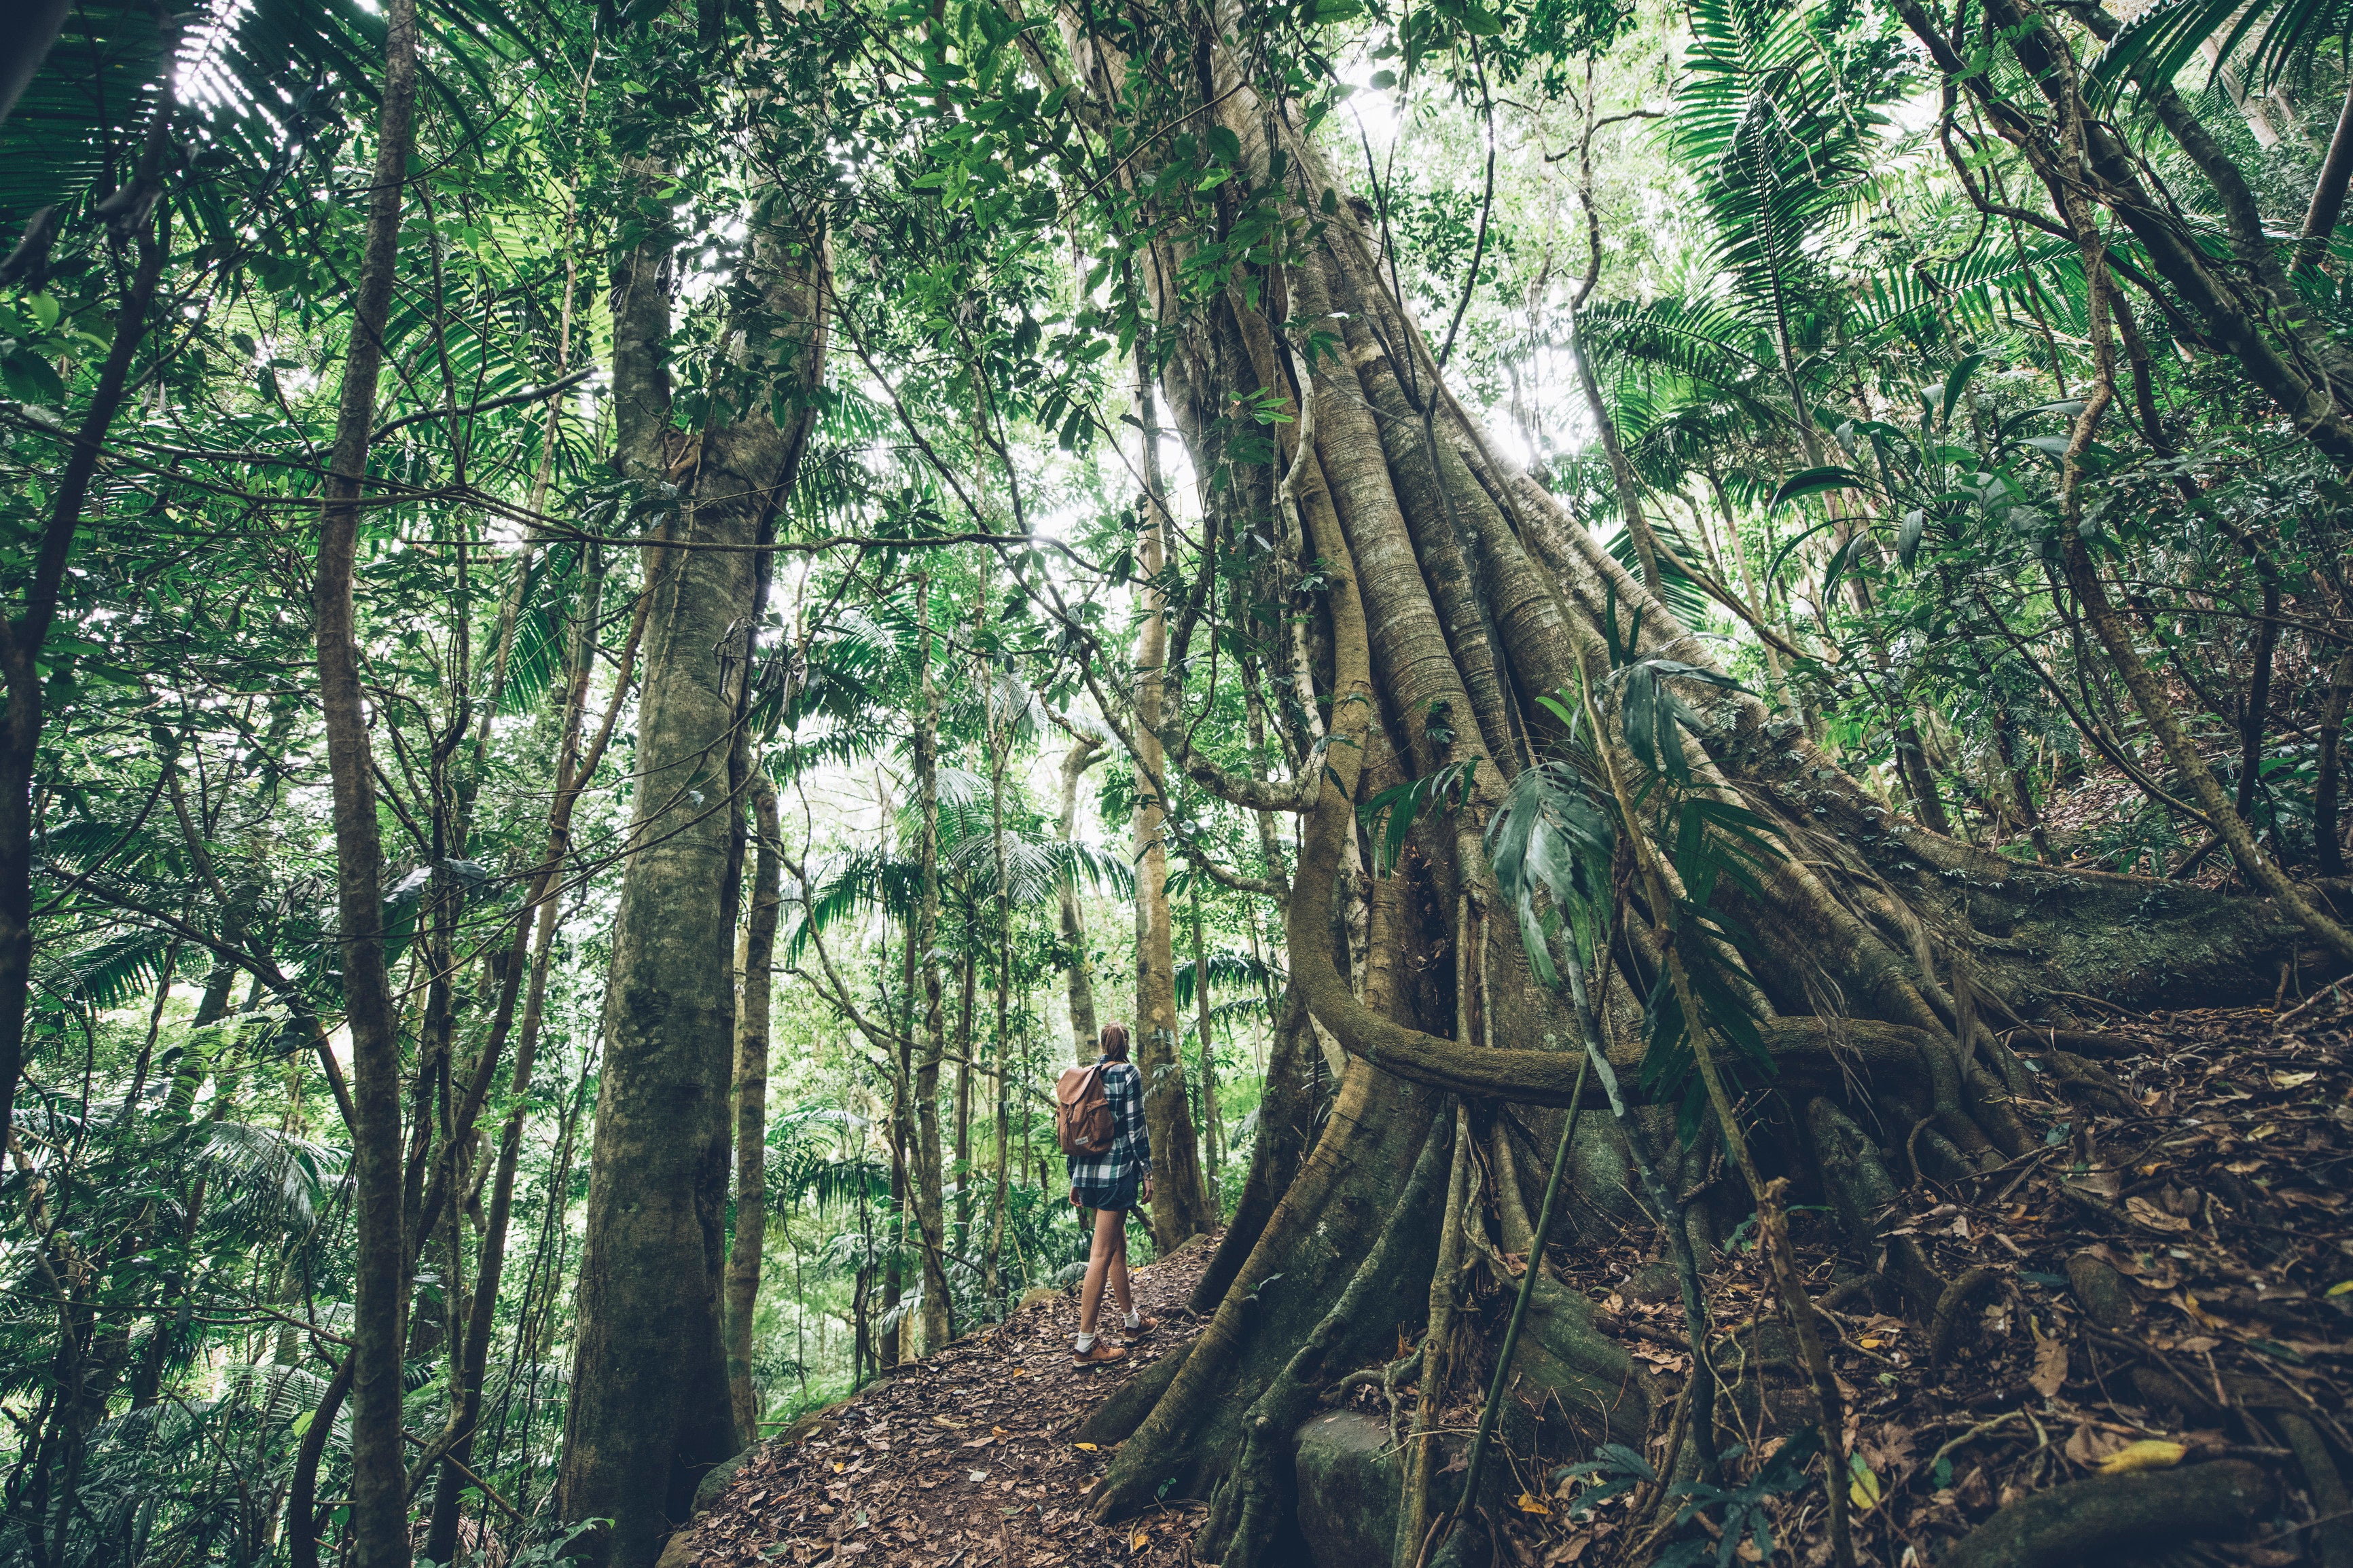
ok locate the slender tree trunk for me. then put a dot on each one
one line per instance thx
(752, 1114)
(2255, 712)
(1621, 472)
(379, 1475)
(21, 638)
(2327, 206)
(1000, 746)
(1181, 1208)
(2328, 849)
(2148, 696)
(962, 1176)
(1211, 1148)
(1084, 753)
(935, 1323)
(903, 1143)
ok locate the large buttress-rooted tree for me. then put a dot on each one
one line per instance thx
(1459, 593)
(650, 1410)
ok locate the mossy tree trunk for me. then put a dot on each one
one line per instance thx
(650, 1408)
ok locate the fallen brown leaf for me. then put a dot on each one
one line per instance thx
(2049, 1366)
(2146, 1213)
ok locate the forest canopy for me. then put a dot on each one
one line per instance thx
(1601, 624)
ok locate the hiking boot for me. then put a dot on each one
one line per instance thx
(1143, 1328)
(1099, 1352)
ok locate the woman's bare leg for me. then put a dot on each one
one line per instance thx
(1119, 1286)
(1109, 1250)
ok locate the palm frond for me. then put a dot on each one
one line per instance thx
(1227, 969)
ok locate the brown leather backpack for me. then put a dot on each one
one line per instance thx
(1082, 1119)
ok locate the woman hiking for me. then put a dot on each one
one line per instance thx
(1112, 1183)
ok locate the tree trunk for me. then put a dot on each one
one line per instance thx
(379, 1474)
(902, 1115)
(1181, 1207)
(536, 925)
(962, 1122)
(21, 636)
(2329, 850)
(1084, 753)
(1210, 1143)
(1621, 472)
(752, 1114)
(2327, 205)
(936, 1322)
(1000, 748)
(649, 1409)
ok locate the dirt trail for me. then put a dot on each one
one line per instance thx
(966, 1457)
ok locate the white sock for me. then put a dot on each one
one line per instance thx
(1133, 1319)
(1086, 1342)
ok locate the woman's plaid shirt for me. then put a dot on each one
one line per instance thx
(1130, 1153)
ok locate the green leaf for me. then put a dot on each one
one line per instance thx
(1959, 383)
(1782, 554)
(1907, 541)
(33, 380)
(1813, 482)
(1840, 561)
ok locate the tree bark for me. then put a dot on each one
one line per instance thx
(535, 924)
(1084, 753)
(2328, 849)
(1000, 748)
(1181, 1206)
(961, 1120)
(1210, 1143)
(21, 636)
(2328, 206)
(743, 1282)
(936, 1322)
(379, 1474)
